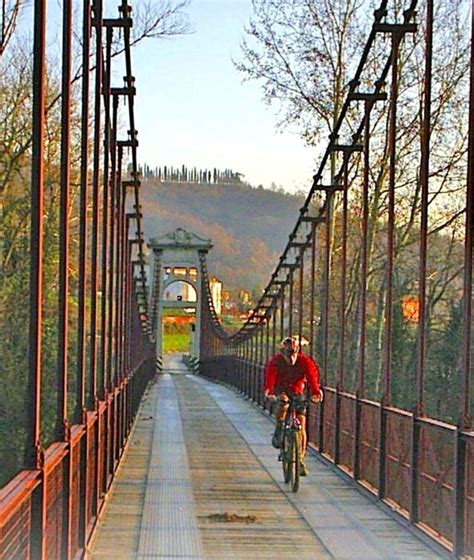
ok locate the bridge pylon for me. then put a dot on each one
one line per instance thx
(177, 283)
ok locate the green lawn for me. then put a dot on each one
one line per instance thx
(176, 342)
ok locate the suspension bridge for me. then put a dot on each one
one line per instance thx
(129, 453)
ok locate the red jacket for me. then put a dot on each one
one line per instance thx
(282, 376)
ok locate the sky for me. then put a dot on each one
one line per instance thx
(192, 107)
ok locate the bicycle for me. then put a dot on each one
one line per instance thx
(290, 446)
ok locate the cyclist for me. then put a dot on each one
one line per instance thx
(286, 374)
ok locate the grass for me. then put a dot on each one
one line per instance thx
(176, 342)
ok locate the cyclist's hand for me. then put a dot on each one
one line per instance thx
(270, 396)
(318, 398)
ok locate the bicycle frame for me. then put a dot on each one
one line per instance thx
(290, 449)
(291, 420)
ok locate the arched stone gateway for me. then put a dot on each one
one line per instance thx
(177, 282)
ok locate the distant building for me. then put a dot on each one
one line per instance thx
(244, 296)
(225, 295)
(216, 292)
(180, 291)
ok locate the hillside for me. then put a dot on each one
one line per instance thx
(248, 226)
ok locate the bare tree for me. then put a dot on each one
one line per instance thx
(162, 19)
(10, 12)
(152, 19)
(159, 20)
(301, 52)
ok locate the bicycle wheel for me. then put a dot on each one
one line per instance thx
(285, 455)
(294, 460)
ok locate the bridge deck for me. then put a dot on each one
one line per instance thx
(201, 480)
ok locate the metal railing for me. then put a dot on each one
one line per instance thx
(372, 324)
(50, 508)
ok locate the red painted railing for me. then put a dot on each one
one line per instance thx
(361, 456)
(51, 511)
(50, 508)
(359, 280)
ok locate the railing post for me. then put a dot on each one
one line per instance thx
(387, 362)
(360, 392)
(94, 282)
(252, 364)
(312, 289)
(274, 326)
(248, 375)
(61, 430)
(321, 446)
(282, 310)
(84, 470)
(382, 449)
(325, 312)
(80, 414)
(267, 338)
(239, 348)
(33, 444)
(465, 419)
(33, 451)
(290, 302)
(342, 316)
(256, 374)
(258, 350)
(337, 423)
(264, 357)
(249, 368)
(38, 522)
(300, 293)
(418, 409)
(459, 494)
(357, 426)
(245, 365)
(415, 454)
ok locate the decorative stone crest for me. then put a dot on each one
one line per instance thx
(180, 238)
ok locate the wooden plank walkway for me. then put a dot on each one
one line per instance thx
(201, 480)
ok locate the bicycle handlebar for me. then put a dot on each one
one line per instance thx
(291, 399)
